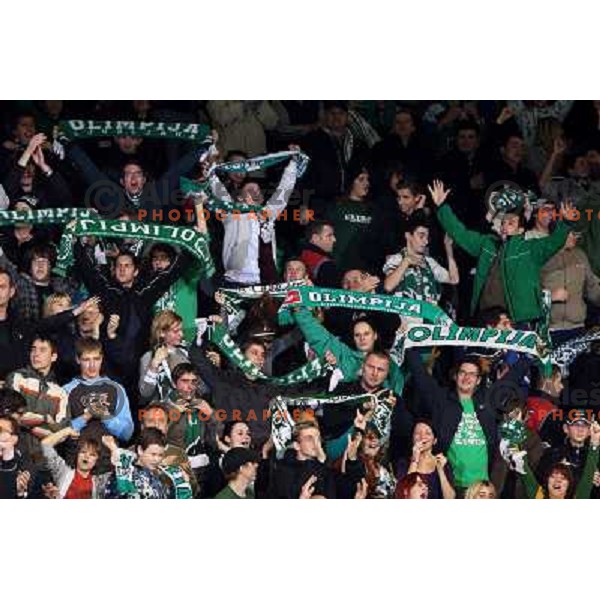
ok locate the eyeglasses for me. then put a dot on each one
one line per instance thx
(468, 373)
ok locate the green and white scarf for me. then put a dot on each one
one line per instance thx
(420, 336)
(217, 334)
(566, 353)
(419, 283)
(235, 298)
(258, 163)
(125, 472)
(189, 239)
(312, 297)
(82, 129)
(45, 216)
(282, 423)
(181, 487)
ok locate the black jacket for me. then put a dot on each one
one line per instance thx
(51, 192)
(15, 342)
(443, 406)
(290, 474)
(326, 176)
(232, 391)
(133, 305)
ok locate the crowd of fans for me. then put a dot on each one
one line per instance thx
(112, 388)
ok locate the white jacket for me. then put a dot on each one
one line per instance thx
(241, 241)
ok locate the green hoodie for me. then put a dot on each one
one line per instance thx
(521, 261)
(348, 360)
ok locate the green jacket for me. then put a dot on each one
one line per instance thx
(349, 361)
(521, 261)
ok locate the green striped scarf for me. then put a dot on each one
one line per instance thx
(83, 129)
(217, 334)
(45, 216)
(189, 239)
(258, 163)
(313, 297)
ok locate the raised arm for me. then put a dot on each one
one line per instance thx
(543, 249)
(470, 241)
(321, 340)
(163, 280)
(169, 182)
(430, 393)
(278, 201)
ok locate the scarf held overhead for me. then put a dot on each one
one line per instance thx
(258, 163)
(45, 216)
(312, 297)
(419, 336)
(82, 129)
(217, 334)
(189, 239)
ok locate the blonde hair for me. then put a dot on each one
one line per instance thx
(474, 489)
(53, 299)
(162, 321)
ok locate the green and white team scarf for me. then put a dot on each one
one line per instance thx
(258, 163)
(84, 129)
(419, 282)
(235, 298)
(313, 297)
(566, 353)
(282, 423)
(189, 239)
(309, 372)
(193, 188)
(420, 336)
(45, 216)
(181, 487)
(124, 474)
(261, 163)
(543, 325)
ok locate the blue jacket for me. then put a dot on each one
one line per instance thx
(119, 424)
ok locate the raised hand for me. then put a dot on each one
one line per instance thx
(595, 434)
(161, 353)
(440, 461)
(214, 357)
(559, 146)
(86, 305)
(39, 160)
(438, 192)
(568, 211)
(110, 443)
(330, 358)
(361, 490)
(353, 444)
(308, 489)
(23, 479)
(113, 326)
(506, 114)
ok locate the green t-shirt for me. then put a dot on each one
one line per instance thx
(351, 221)
(228, 494)
(468, 452)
